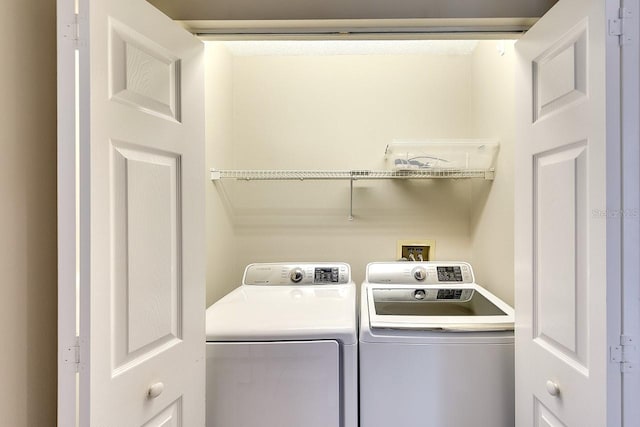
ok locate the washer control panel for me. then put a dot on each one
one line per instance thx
(418, 295)
(297, 274)
(423, 273)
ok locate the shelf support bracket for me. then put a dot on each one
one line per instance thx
(351, 199)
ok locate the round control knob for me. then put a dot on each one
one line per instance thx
(296, 275)
(552, 388)
(419, 273)
(419, 294)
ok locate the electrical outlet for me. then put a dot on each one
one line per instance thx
(416, 250)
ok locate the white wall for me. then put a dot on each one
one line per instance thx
(339, 112)
(493, 115)
(221, 244)
(28, 215)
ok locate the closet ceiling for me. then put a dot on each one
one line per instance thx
(350, 9)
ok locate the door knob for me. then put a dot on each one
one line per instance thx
(155, 390)
(552, 388)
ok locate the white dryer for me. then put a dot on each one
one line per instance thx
(436, 349)
(282, 349)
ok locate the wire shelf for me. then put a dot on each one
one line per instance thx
(351, 175)
(301, 175)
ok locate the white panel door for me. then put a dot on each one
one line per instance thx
(562, 288)
(141, 218)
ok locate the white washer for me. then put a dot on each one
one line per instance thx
(282, 349)
(436, 349)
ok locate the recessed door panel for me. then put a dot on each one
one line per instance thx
(143, 74)
(560, 74)
(560, 276)
(147, 285)
(544, 417)
(169, 417)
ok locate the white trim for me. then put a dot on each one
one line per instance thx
(66, 212)
(84, 217)
(613, 204)
(630, 206)
(360, 29)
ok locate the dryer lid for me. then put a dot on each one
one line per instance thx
(277, 313)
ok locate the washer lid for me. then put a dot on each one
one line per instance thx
(277, 313)
(461, 308)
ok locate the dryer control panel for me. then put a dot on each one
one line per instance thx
(424, 273)
(298, 274)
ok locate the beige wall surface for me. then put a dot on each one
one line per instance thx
(28, 215)
(221, 243)
(493, 105)
(340, 112)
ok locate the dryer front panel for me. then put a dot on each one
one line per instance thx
(273, 384)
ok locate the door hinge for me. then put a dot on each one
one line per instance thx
(617, 26)
(71, 30)
(625, 354)
(72, 354)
